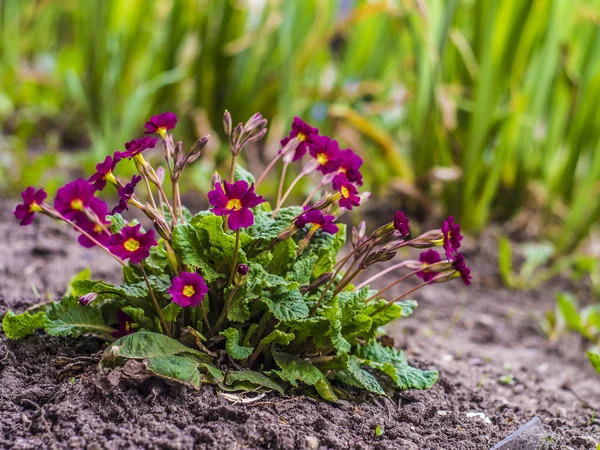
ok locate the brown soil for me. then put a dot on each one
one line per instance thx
(52, 394)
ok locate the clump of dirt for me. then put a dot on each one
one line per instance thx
(491, 355)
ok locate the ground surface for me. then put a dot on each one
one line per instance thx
(475, 337)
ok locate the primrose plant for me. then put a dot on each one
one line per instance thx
(246, 295)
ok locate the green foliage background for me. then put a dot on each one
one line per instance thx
(503, 92)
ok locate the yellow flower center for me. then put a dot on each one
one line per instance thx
(77, 204)
(162, 131)
(301, 137)
(188, 291)
(34, 207)
(234, 204)
(127, 327)
(322, 158)
(343, 170)
(97, 228)
(344, 191)
(131, 245)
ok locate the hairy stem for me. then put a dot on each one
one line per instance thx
(286, 195)
(235, 256)
(155, 302)
(268, 169)
(95, 241)
(380, 274)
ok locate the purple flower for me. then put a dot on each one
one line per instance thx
(137, 146)
(125, 193)
(125, 322)
(188, 289)
(94, 229)
(317, 220)
(242, 269)
(306, 134)
(428, 257)
(132, 244)
(161, 124)
(327, 153)
(350, 164)
(401, 223)
(235, 202)
(88, 298)
(32, 200)
(460, 266)
(104, 170)
(452, 236)
(348, 191)
(73, 198)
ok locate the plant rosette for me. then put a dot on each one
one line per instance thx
(265, 284)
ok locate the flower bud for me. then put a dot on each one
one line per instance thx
(253, 122)
(378, 256)
(227, 124)
(323, 279)
(242, 269)
(428, 239)
(88, 298)
(287, 233)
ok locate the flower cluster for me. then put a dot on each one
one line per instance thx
(262, 282)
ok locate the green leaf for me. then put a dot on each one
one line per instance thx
(294, 369)
(242, 174)
(302, 270)
(171, 311)
(284, 255)
(85, 274)
(158, 259)
(286, 305)
(214, 373)
(594, 357)
(327, 247)
(268, 229)
(18, 326)
(181, 369)
(233, 347)
(69, 318)
(145, 344)
(567, 307)
(505, 261)
(334, 315)
(117, 223)
(139, 317)
(393, 363)
(352, 374)
(190, 249)
(255, 378)
(277, 337)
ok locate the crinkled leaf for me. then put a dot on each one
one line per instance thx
(334, 315)
(69, 318)
(139, 317)
(187, 215)
(352, 374)
(294, 369)
(233, 347)
(171, 311)
(286, 305)
(284, 255)
(216, 375)
(268, 229)
(255, 378)
(18, 326)
(393, 363)
(145, 344)
(158, 259)
(117, 223)
(181, 369)
(382, 317)
(327, 247)
(302, 270)
(217, 245)
(277, 337)
(242, 174)
(190, 249)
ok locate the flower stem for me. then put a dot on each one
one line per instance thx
(205, 318)
(268, 169)
(287, 193)
(312, 194)
(380, 274)
(391, 285)
(400, 297)
(232, 169)
(156, 305)
(281, 181)
(223, 315)
(235, 255)
(91, 238)
(261, 328)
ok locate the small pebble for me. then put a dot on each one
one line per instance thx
(312, 442)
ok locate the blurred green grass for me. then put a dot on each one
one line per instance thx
(488, 107)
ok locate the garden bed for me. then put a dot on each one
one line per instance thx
(492, 357)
